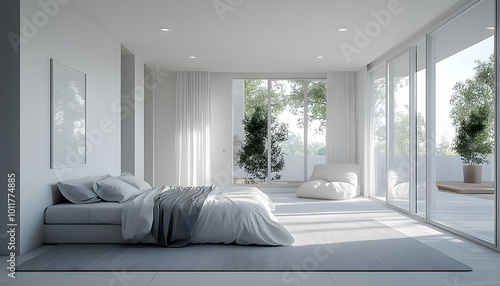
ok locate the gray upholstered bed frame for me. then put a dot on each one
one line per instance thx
(82, 233)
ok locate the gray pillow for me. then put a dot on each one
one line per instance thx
(134, 181)
(112, 189)
(80, 191)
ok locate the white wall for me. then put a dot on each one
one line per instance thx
(149, 124)
(74, 39)
(139, 117)
(221, 141)
(164, 129)
(238, 104)
(128, 114)
(132, 91)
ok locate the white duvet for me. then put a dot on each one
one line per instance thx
(241, 215)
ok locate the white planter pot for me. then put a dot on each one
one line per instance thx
(473, 174)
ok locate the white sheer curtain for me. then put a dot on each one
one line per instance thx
(192, 136)
(341, 118)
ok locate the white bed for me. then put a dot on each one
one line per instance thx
(240, 214)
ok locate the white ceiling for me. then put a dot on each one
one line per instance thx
(256, 35)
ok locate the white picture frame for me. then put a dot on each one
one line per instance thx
(68, 110)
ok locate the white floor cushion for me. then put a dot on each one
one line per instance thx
(321, 189)
(331, 182)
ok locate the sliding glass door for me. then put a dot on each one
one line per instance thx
(287, 132)
(399, 123)
(279, 130)
(463, 63)
(433, 126)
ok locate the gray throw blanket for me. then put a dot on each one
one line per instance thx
(175, 213)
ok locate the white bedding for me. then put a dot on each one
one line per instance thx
(241, 215)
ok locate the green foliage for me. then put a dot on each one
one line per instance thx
(316, 103)
(444, 147)
(472, 113)
(474, 93)
(294, 145)
(256, 96)
(253, 156)
(401, 121)
(473, 143)
(379, 101)
(316, 148)
(402, 132)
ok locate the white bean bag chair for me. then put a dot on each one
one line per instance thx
(331, 182)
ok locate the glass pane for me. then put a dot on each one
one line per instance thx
(289, 121)
(398, 175)
(421, 128)
(464, 53)
(377, 89)
(287, 132)
(316, 119)
(250, 131)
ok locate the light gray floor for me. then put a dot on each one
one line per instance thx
(484, 261)
(470, 214)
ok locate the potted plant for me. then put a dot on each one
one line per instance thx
(473, 143)
(472, 115)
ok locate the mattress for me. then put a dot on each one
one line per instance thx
(98, 213)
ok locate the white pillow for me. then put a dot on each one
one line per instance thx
(347, 173)
(80, 191)
(112, 189)
(134, 181)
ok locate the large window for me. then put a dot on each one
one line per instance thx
(433, 118)
(399, 147)
(464, 122)
(279, 130)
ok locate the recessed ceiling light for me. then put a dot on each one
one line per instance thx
(192, 57)
(342, 29)
(490, 28)
(319, 57)
(165, 29)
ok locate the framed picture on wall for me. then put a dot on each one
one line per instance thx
(68, 90)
